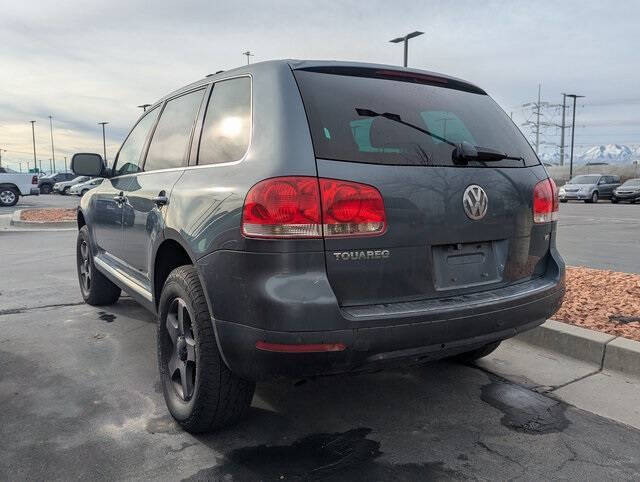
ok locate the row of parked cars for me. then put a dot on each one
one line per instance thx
(14, 185)
(66, 183)
(592, 187)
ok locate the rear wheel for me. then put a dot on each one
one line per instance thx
(95, 287)
(563, 200)
(200, 391)
(46, 188)
(478, 353)
(593, 198)
(9, 196)
(84, 191)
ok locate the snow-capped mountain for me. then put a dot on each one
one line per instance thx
(609, 153)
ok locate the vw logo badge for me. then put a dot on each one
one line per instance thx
(475, 202)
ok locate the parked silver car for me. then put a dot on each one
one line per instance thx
(63, 187)
(81, 188)
(589, 188)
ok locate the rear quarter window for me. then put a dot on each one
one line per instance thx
(226, 132)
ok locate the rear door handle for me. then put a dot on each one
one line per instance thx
(160, 200)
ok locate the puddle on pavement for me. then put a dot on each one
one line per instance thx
(349, 456)
(525, 410)
(108, 317)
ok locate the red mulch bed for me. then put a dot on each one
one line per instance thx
(57, 215)
(606, 301)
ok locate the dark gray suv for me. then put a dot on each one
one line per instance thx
(304, 218)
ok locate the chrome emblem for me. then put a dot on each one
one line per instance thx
(475, 202)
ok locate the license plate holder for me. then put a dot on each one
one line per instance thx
(464, 265)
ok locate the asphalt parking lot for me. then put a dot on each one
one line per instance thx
(80, 398)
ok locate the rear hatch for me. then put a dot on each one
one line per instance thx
(368, 126)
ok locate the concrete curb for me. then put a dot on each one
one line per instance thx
(606, 351)
(18, 223)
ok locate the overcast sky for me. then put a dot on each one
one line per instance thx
(85, 62)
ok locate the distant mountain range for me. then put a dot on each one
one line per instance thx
(609, 153)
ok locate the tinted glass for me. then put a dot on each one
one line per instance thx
(172, 136)
(451, 110)
(584, 180)
(227, 123)
(130, 155)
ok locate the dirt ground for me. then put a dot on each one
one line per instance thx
(606, 301)
(48, 215)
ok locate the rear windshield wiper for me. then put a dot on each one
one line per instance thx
(463, 152)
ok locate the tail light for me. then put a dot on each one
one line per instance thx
(34, 180)
(307, 207)
(545, 202)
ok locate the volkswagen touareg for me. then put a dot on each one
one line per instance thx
(305, 218)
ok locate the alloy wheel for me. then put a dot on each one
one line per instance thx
(181, 355)
(85, 267)
(7, 196)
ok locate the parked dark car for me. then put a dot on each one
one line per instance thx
(304, 218)
(45, 183)
(589, 188)
(628, 192)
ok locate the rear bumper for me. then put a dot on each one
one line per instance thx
(375, 336)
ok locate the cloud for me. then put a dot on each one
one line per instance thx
(84, 62)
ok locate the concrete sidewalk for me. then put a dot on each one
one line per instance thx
(593, 371)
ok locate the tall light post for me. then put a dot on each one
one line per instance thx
(33, 136)
(144, 107)
(65, 163)
(1, 150)
(573, 129)
(104, 141)
(405, 39)
(248, 54)
(53, 152)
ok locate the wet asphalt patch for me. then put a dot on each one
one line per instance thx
(525, 410)
(108, 317)
(349, 455)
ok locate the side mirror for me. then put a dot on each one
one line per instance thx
(85, 164)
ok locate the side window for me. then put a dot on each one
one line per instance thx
(171, 138)
(129, 157)
(227, 123)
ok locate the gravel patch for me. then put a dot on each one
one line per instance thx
(602, 300)
(54, 215)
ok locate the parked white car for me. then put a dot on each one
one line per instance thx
(82, 188)
(63, 187)
(15, 184)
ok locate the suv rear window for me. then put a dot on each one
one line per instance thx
(341, 111)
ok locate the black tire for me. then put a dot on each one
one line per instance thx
(65, 191)
(84, 191)
(9, 196)
(96, 288)
(200, 391)
(614, 200)
(46, 188)
(593, 199)
(563, 200)
(473, 355)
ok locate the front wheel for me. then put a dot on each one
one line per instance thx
(45, 188)
(65, 191)
(83, 192)
(8, 196)
(563, 200)
(200, 391)
(473, 355)
(614, 200)
(96, 288)
(593, 199)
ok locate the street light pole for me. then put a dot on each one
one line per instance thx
(104, 141)
(53, 152)
(564, 109)
(144, 107)
(573, 129)
(33, 135)
(405, 39)
(248, 54)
